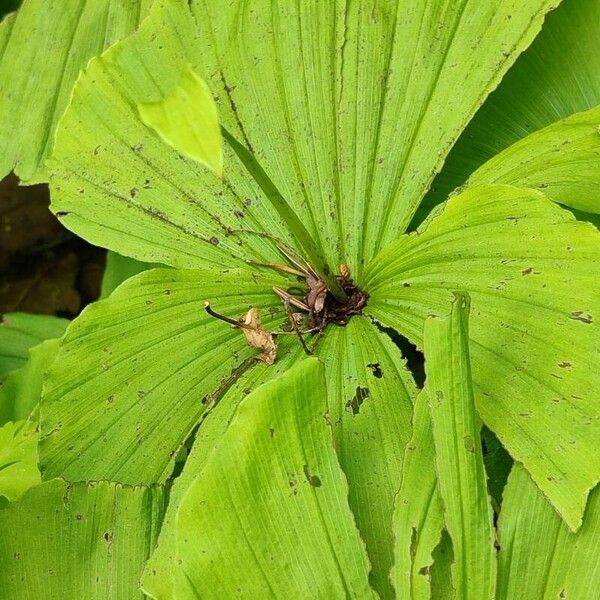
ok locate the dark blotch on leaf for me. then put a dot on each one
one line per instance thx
(579, 315)
(353, 405)
(314, 480)
(214, 241)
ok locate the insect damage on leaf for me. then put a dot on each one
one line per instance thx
(256, 335)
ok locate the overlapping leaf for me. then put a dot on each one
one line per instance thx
(562, 160)
(159, 571)
(532, 272)
(369, 400)
(539, 556)
(43, 47)
(369, 395)
(329, 104)
(278, 73)
(19, 332)
(122, 398)
(78, 541)
(461, 475)
(119, 184)
(273, 499)
(556, 77)
(418, 516)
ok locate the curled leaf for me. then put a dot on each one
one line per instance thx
(259, 337)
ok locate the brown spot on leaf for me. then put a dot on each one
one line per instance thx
(579, 315)
(565, 365)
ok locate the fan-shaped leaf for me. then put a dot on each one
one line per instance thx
(532, 272)
(158, 573)
(121, 399)
(562, 160)
(554, 78)
(273, 499)
(118, 184)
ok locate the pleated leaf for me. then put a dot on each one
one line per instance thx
(539, 557)
(122, 398)
(461, 475)
(268, 516)
(562, 160)
(532, 272)
(369, 395)
(418, 515)
(328, 100)
(63, 541)
(118, 183)
(557, 76)
(157, 580)
(299, 87)
(43, 46)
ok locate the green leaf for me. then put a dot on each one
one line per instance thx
(329, 104)
(539, 557)
(43, 47)
(117, 184)
(458, 457)
(532, 273)
(369, 395)
(118, 269)
(418, 516)
(273, 499)
(18, 458)
(562, 160)
(554, 78)
(157, 580)
(63, 541)
(21, 391)
(188, 121)
(21, 331)
(121, 399)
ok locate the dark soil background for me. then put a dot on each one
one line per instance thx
(44, 268)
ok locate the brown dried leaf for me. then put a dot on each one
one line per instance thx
(316, 294)
(259, 337)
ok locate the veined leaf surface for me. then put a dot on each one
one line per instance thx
(106, 530)
(532, 272)
(43, 46)
(273, 499)
(554, 78)
(121, 399)
(539, 557)
(462, 481)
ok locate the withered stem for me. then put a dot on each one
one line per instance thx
(229, 320)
